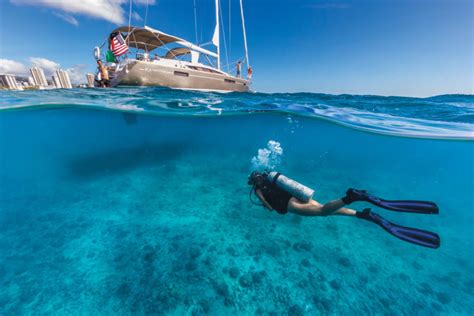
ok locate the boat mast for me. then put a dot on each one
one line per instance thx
(215, 38)
(245, 35)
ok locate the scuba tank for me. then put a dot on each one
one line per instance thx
(299, 191)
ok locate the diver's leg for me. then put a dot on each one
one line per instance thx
(314, 208)
(332, 206)
(344, 211)
(336, 207)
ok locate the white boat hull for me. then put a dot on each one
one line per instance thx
(176, 74)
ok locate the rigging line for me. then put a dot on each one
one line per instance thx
(146, 13)
(223, 33)
(130, 16)
(230, 28)
(200, 32)
(102, 45)
(163, 45)
(195, 23)
(210, 61)
(232, 64)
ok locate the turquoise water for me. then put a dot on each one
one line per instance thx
(135, 201)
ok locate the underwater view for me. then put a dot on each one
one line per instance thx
(135, 201)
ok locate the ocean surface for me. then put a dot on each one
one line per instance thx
(135, 201)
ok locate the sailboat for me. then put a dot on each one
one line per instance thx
(184, 65)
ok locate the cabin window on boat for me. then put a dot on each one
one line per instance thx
(203, 69)
(180, 73)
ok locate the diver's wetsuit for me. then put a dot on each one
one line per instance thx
(276, 197)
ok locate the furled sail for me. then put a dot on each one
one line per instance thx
(215, 38)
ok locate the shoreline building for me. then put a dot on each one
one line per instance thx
(38, 77)
(31, 81)
(9, 82)
(90, 80)
(56, 82)
(63, 78)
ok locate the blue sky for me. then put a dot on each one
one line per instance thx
(391, 47)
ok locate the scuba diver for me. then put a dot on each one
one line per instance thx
(279, 193)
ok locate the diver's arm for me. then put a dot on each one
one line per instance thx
(265, 203)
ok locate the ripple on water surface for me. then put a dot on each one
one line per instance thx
(443, 117)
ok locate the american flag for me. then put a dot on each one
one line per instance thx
(118, 45)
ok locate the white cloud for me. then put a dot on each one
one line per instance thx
(77, 73)
(8, 66)
(66, 17)
(136, 16)
(144, 2)
(109, 10)
(48, 66)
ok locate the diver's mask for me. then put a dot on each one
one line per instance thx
(256, 179)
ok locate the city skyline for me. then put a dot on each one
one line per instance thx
(412, 48)
(59, 80)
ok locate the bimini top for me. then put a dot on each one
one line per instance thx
(178, 51)
(144, 38)
(148, 39)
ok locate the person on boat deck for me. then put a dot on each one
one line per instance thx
(104, 74)
(279, 193)
(249, 73)
(239, 66)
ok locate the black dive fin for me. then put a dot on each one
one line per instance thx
(424, 207)
(411, 235)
